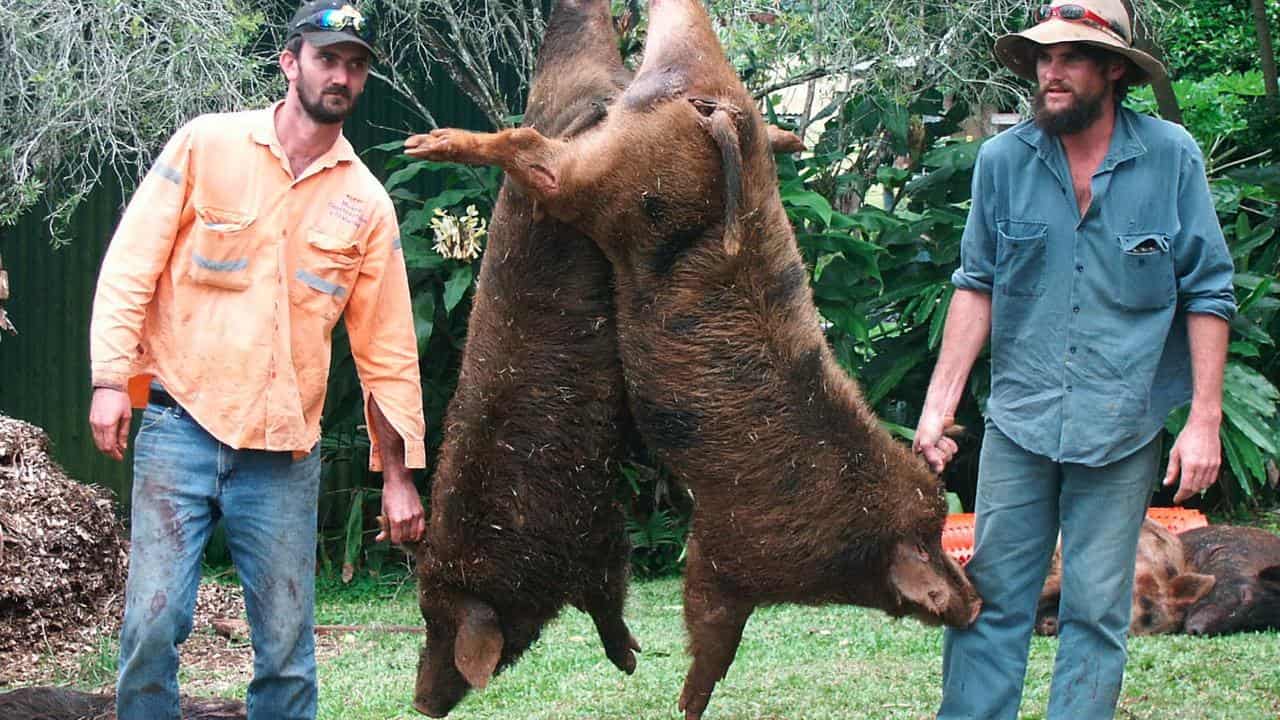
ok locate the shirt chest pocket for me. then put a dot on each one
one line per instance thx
(1020, 258)
(326, 268)
(222, 247)
(1147, 277)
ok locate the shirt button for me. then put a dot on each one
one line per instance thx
(1068, 388)
(1073, 349)
(1075, 309)
(1079, 268)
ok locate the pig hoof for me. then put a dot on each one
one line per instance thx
(440, 144)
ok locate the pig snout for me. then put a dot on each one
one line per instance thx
(932, 587)
(439, 686)
(1217, 618)
(1198, 624)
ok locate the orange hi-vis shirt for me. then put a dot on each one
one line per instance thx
(226, 277)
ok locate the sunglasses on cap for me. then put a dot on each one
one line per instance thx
(1080, 14)
(344, 18)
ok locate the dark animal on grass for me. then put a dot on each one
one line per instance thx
(799, 494)
(1246, 563)
(55, 703)
(1164, 585)
(523, 516)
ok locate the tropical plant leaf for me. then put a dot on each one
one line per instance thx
(1244, 349)
(812, 201)
(1250, 388)
(1234, 461)
(449, 198)
(354, 536)
(456, 286)
(1240, 416)
(424, 318)
(405, 174)
(938, 323)
(890, 379)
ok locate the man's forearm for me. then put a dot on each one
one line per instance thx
(967, 328)
(390, 444)
(1209, 335)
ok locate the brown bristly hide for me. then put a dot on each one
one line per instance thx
(523, 516)
(800, 495)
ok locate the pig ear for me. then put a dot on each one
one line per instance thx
(1188, 588)
(479, 644)
(783, 141)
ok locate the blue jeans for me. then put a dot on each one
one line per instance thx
(184, 482)
(1022, 500)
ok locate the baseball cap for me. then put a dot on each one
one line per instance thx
(329, 22)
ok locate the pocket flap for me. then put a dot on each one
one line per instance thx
(330, 243)
(1144, 243)
(1018, 230)
(225, 221)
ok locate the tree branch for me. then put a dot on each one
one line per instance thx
(804, 77)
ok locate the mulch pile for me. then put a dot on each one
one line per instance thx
(63, 564)
(62, 555)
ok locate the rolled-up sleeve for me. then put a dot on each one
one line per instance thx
(977, 246)
(1202, 261)
(138, 253)
(379, 320)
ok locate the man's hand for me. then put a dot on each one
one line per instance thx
(932, 443)
(109, 416)
(1196, 456)
(402, 508)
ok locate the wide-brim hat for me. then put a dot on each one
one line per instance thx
(1017, 51)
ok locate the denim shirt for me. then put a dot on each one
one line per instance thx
(1089, 347)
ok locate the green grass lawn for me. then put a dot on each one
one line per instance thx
(796, 663)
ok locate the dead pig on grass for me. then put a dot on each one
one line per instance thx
(523, 517)
(1245, 562)
(1165, 585)
(57, 703)
(800, 495)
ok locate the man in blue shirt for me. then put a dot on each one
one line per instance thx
(1093, 259)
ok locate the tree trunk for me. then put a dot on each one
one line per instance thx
(1267, 53)
(1166, 100)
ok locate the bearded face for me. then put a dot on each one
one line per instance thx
(330, 79)
(1074, 87)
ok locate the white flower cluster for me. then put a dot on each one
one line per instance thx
(458, 237)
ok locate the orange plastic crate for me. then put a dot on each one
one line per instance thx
(957, 533)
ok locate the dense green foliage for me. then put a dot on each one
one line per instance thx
(1211, 37)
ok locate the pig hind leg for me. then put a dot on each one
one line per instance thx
(524, 154)
(714, 620)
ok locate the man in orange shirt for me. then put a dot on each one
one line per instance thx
(252, 234)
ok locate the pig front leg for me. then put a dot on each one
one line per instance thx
(620, 646)
(604, 604)
(604, 599)
(714, 620)
(525, 155)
